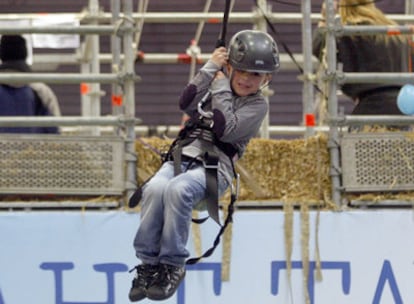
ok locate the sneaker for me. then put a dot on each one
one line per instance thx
(167, 282)
(145, 276)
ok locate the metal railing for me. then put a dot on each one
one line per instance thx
(89, 73)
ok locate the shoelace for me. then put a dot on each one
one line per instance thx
(169, 275)
(132, 269)
(146, 275)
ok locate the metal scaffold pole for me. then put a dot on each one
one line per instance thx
(262, 26)
(165, 17)
(333, 135)
(95, 88)
(307, 91)
(117, 96)
(129, 94)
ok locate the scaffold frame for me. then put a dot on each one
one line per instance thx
(120, 24)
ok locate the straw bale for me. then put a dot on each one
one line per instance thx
(285, 170)
(289, 170)
(149, 159)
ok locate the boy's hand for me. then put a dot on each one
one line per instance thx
(219, 75)
(220, 56)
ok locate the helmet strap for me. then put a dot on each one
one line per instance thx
(265, 83)
(231, 75)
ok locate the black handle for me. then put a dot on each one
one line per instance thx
(222, 38)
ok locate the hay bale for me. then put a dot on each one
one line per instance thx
(149, 159)
(295, 170)
(285, 170)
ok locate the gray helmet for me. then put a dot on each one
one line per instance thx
(254, 51)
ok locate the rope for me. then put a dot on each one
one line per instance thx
(284, 45)
(142, 8)
(194, 42)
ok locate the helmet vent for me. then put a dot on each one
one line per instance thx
(241, 51)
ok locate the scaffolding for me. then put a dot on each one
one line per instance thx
(343, 180)
(124, 27)
(121, 176)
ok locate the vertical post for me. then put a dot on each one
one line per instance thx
(90, 92)
(116, 98)
(409, 10)
(95, 92)
(333, 135)
(129, 95)
(307, 90)
(262, 26)
(409, 7)
(84, 87)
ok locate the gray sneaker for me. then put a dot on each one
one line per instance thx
(166, 283)
(145, 276)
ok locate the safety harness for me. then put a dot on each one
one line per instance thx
(199, 127)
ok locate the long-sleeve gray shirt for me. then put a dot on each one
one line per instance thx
(236, 119)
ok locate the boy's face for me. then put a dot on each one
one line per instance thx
(247, 83)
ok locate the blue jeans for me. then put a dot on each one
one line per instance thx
(166, 211)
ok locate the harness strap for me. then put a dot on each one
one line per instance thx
(210, 161)
(211, 165)
(229, 219)
(176, 155)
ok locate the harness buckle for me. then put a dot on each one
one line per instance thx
(210, 161)
(210, 165)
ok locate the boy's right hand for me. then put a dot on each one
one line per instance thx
(220, 75)
(220, 56)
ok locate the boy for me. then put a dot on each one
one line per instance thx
(233, 113)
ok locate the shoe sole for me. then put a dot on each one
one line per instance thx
(137, 297)
(156, 297)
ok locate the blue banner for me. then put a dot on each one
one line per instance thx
(72, 257)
